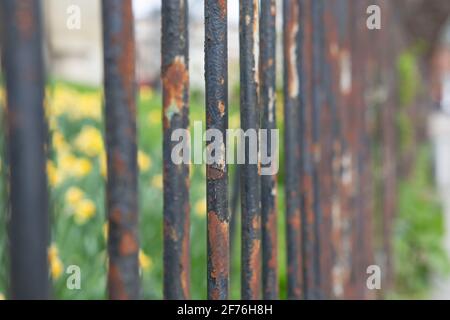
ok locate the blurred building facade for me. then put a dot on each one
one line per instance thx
(75, 55)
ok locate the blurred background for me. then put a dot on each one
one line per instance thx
(77, 165)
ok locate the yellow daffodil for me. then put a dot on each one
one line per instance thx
(59, 143)
(82, 167)
(89, 107)
(146, 93)
(53, 177)
(90, 141)
(200, 208)
(145, 262)
(144, 161)
(105, 230)
(56, 265)
(84, 211)
(2, 97)
(154, 117)
(234, 121)
(157, 182)
(71, 166)
(103, 165)
(74, 195)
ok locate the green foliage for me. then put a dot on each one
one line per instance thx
(408, 77)
(419, 232)
(409, 85)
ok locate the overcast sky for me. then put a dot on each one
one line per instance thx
(142, 7)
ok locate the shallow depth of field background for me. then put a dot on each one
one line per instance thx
(76, 163)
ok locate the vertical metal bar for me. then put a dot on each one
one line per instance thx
(341, 273)
(317, 101)
(28, 227)
(251, 212)
(216, 77)
(120, 112)
(337, 55)
(331, 145)
(292, 46)
(307, 149)
(268, 122)
(175, 81)
(358, 74)
(388, 142)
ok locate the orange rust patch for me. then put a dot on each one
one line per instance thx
(256, 222)
(128, 244)
(273, 9)
(215, 294)
(170, 231)
(223, 7)
(127, 57)
(119, 166)
(175, 81)
(116, 215)
(25, 19)
(221, 107)
(255, 265)
(218, 240)
(295, 220)
(214, 173)
(116, 287)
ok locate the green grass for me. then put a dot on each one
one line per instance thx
(419, 231)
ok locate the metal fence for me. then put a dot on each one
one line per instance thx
(332, 66)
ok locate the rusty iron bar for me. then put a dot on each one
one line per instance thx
(332, 147)
(342, 274)
(317, 23)
(307, 150)
(175, 82)
(327, 123)
(338, 55)
(216, 78)
(293, 137)
(29, 222)
(388, 142)
(351, 287)
(268, 121)
(250, 180)
(367, 138)
(357, 106)
(121, 149)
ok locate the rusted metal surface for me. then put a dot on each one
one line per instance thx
(388, 142)
(293, 139)
(268, 122)
(23, 64)
(216, 78)
(307, 149)
(358, 106)
(332, 146)
(120, 118)
(317, 113)
(250, 180)
(175, 81)
(338, 56)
